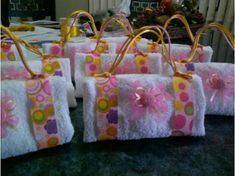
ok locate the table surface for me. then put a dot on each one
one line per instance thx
(209, 155)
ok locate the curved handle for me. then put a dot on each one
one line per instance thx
(120, 20)
(185, 23)
(35, 50)
(77, 14)
(156, 30)
(228, 36)
(15, 40)
(147, 29)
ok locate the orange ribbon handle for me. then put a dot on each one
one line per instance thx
(120, 20)
(227, 35)
(35, 50)
(16, 42)
(185, 23)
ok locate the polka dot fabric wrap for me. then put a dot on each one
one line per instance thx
(106, 108)
(57, 50)
(182, 121)
(7, 53)
(42, 113)
(92, 64)
(51, 67)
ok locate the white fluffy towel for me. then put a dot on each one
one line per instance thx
(218, 84)
(20, 139)
(148, 125)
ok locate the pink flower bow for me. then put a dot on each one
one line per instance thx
(220, 85)
(7, 118)
(145, 101)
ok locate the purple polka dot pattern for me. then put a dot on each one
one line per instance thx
(182, 121)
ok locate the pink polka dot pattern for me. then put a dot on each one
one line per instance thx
(181, 86)
(182, 121)
(92, 64)
(179, 121)
(142, 63)
(184, 96)
(57, 50)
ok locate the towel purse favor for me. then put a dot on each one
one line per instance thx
(34, 112)
(217, 78)
(179, 51)
(218, 85)
(130, 106)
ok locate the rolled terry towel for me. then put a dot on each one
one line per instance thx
(88, 65)
(10, 53)
(179, 51)
(218, 84)
(17, 134)
(73, 48)
(17, 71)
(142, 106)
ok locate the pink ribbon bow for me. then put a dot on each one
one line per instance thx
(220, 85)
(7, 118)
(146, 101)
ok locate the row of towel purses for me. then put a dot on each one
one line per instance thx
(132, 88)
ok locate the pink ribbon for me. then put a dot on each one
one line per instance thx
(221, 85)
(148, 100)
(7, 118)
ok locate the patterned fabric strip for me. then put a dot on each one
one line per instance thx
(103, 47)
(51, 67)
(186, 67)
(42, 113)
(106, 108)
(182, 121)
(92, 64)
(7, 52)
(57, 50)
(142, 63)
